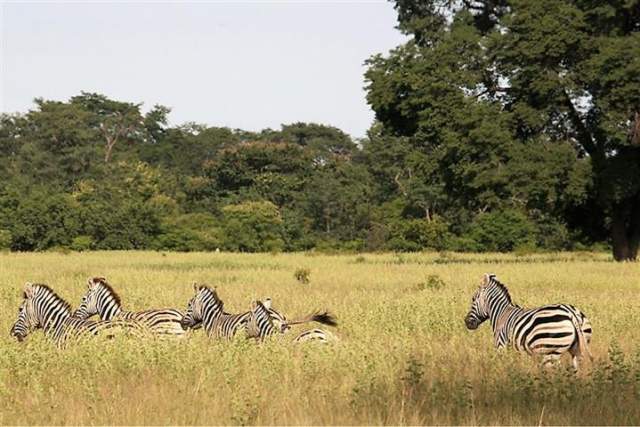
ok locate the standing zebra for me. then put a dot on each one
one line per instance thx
(266, 321)
(207, 308)
(550, 330)
(102, 300)
(43, 308)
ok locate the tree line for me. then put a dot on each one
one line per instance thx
(500, 126)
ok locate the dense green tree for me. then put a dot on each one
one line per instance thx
(479, 79)
(253, 227)
(446, 166)
(119, 122)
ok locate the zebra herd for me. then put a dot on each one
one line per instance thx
(548, 331)
(42, 308)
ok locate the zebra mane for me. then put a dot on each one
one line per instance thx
(494, 280)
(213, 292)
(53, 293)
(111, 291)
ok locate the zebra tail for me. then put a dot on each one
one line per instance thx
(324, 318)
(583, 346)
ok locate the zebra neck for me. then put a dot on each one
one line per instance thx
(503, 324)
(497, 310)
(53, 320)
(109, 310)
(211, 314)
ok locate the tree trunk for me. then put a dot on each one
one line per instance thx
(625, 230)
(109, 148)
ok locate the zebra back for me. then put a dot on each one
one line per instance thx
(317, 335)
(102, 299)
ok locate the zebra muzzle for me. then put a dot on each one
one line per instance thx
(470, 322)
(17, 336)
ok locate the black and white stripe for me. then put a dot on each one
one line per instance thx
(207, 308)
(266, 321)
(318, 335)
(550, 330)
(43, 309)
(102, 300)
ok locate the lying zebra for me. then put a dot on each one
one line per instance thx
(265, 321)
(42, 308)
(102, 300)
(550, 330)
(207, 308)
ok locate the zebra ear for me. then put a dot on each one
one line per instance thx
(486, 279)
(267, 303)
(28, 290)
(195, 286)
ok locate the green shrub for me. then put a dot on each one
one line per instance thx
(417, 234)
(82, 243)
(502, 231)
(190, 232)
(5, 239)
(253, 227)
(302, 275)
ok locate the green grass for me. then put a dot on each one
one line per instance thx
(404, 355)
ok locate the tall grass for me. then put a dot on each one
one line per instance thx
(404, 355)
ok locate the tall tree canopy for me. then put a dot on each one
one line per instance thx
(487, 91)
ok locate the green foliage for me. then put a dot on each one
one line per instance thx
(302, 275)
(502, 231)
(418, 234)
(191, 232)
(510, 100)
(82, 243)
(448, 143)
(433, 282)
(253, 227)
(5, 239)
(43, 221)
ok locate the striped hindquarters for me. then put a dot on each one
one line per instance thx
(546, 330)
(160, 321)
(317, 335)
(227, 325)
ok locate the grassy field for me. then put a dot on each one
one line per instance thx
(404, 355)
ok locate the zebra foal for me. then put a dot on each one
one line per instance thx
(549, 331)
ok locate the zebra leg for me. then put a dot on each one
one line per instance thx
(575, 362)
(550, 360)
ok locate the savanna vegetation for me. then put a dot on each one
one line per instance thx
(500, 125)
(404, 355)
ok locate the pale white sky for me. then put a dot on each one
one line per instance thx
(241, 64)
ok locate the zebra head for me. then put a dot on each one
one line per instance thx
(479, 311)
(89, 304)
(27, 319)
(278, 319)
(204, 301)
(100, 298)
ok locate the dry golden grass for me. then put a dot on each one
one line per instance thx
(404, 355)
